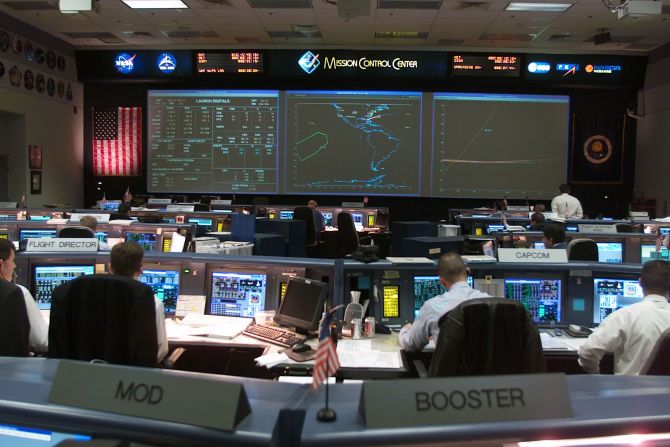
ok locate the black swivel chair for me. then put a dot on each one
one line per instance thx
(14, 323)
(658, 362)
(487, 336)
(201, 207)
(76, 231)
(624, 228)
(347, 237)
(107, 317)
(312, 244)
(582, 249)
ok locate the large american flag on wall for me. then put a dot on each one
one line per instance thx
(117, 141)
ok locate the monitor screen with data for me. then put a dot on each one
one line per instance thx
(648, 252)
(45, 278)
(146, 240)
(236, 294)
(212, 141)
(17, 436)
(165, 284)
(25, 233)
(610, 294)
(488, 145)
(427, 287)
(353, 142)
(610, 252)
(541, 296)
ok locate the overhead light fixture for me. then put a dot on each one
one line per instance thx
(74, 6)
(156, 4)
(538, 7)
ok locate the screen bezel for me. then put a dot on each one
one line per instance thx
(303, 325)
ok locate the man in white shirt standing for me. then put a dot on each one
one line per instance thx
(631, 332)
(565, 205)
(453, 277)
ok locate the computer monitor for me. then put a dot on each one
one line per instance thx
(427, 287)
(236, 294)
(382, 219)
(16, 436)
(110, 205)
(358, 220)
(201, 221)
(25, 233)
(146, 240)
(610, 294)
(648, 252)
(165, 284)
(539, 245)
(492, 228)
(40, 217)
(285, 214)
(571, 228)
(4, 235)
(664, 230)
(610, 252)
(45, 278)
(303, 304)
(101, 236)
(5, 217)
(541, 296)
(371, 220)
(327, 219)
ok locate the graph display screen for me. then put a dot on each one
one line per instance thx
(353, 142)
(612, 294)
(496, 145)
(542, 297)
(212, 141)
(165, 284)
(237, 294)
(47, 277)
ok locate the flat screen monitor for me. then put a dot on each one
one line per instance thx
(390, 302)
(45, 278)
(610, 252)
(40, 218)
(493, 228)
(4, 235)
(571, 228)
(327, 219)
(4, 217)
(285, 214)
(382, 220)
(302, 305)
(15, 436)
(170, 220)
(664, 230)
(427, 287)
(358, 220)
(165, 284)
(236, 294)
(201, 221)
(541, 296)
(539, 245)
(101, 236)
(648, 252)
(36, 234)
(110, 205)
(610, 294)
(146, 240)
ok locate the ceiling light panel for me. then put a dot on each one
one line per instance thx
(538, 7)
(156, 4)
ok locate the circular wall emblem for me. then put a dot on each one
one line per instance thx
(124, 63)
(597, 149)
(166, 63)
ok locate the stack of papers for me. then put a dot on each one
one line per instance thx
(215, 326)
(549, 342)
(272, 359)
(359, 354)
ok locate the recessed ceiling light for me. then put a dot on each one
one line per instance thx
(538, 7)
(156, 4)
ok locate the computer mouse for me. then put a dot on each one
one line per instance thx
(301, 347)
(558, 332)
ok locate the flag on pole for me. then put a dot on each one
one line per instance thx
(117, 141)
(659, 241)
(127, 196)
(327, 362)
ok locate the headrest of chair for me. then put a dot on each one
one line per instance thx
(76, 231)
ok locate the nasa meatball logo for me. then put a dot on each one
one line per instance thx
(598, 149)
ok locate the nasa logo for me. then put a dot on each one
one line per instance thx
(167, 63)
(124, 63)
(309, 62)
(539, 67)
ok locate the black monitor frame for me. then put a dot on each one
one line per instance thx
(302, 325)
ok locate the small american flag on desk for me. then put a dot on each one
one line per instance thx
(327, 362)
(117, 141)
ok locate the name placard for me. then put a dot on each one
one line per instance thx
(63, 245)
(149, 393)
(160, 201)
(4, 205)
(221, 202)
(597, 228)
(462, 400)
(100, 217)
(534, 255)
(184, 208)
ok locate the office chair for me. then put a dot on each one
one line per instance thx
(179, 198)
(624, 228)
(347, 237)
(582, 249)
(658, 362)
(487, 336)
(14, 323)
(207, 200)
(312, 244)
(76, 231)
(201, 207)
(107, 317)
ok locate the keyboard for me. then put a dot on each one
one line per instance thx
(271, 334)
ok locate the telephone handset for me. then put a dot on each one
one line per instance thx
(578, 331)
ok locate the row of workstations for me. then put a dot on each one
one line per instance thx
(483, 225)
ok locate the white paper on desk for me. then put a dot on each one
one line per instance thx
(662, 219)
(272, 359)
(178, 242)
(120, 222)
(176, 331)
(354, 345)
(58, 221)
(190, 304)
(549, 342)
(408, 260)
(372, 359)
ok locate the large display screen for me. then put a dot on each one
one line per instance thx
(343, 142)
(212, 141)
(497, 145)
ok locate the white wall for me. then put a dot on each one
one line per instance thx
(54, 126)
(652, 166)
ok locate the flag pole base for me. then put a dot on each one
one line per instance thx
(326, 415)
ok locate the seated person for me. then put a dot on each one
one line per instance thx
(38, 338)
(92, 223)
(553, 236)
(539, 208)
(453, 276)
(537, 221)
(122, 212)
(318, 217)
(498, 207)
(631, 332)
(126, 260)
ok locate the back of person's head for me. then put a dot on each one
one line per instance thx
(124, 208)
(554, 232)
(451, 267)
(564, 188)
(126, 258)
(655, 277)
(539, 208)
(311, 204)
(537, 218)
(89, 222)
(6, 248)
(498, 205)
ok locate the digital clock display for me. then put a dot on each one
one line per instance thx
(218, 62)
(485, 65)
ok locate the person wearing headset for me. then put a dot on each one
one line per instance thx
(39, 330)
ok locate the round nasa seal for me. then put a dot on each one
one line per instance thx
(597, 149)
